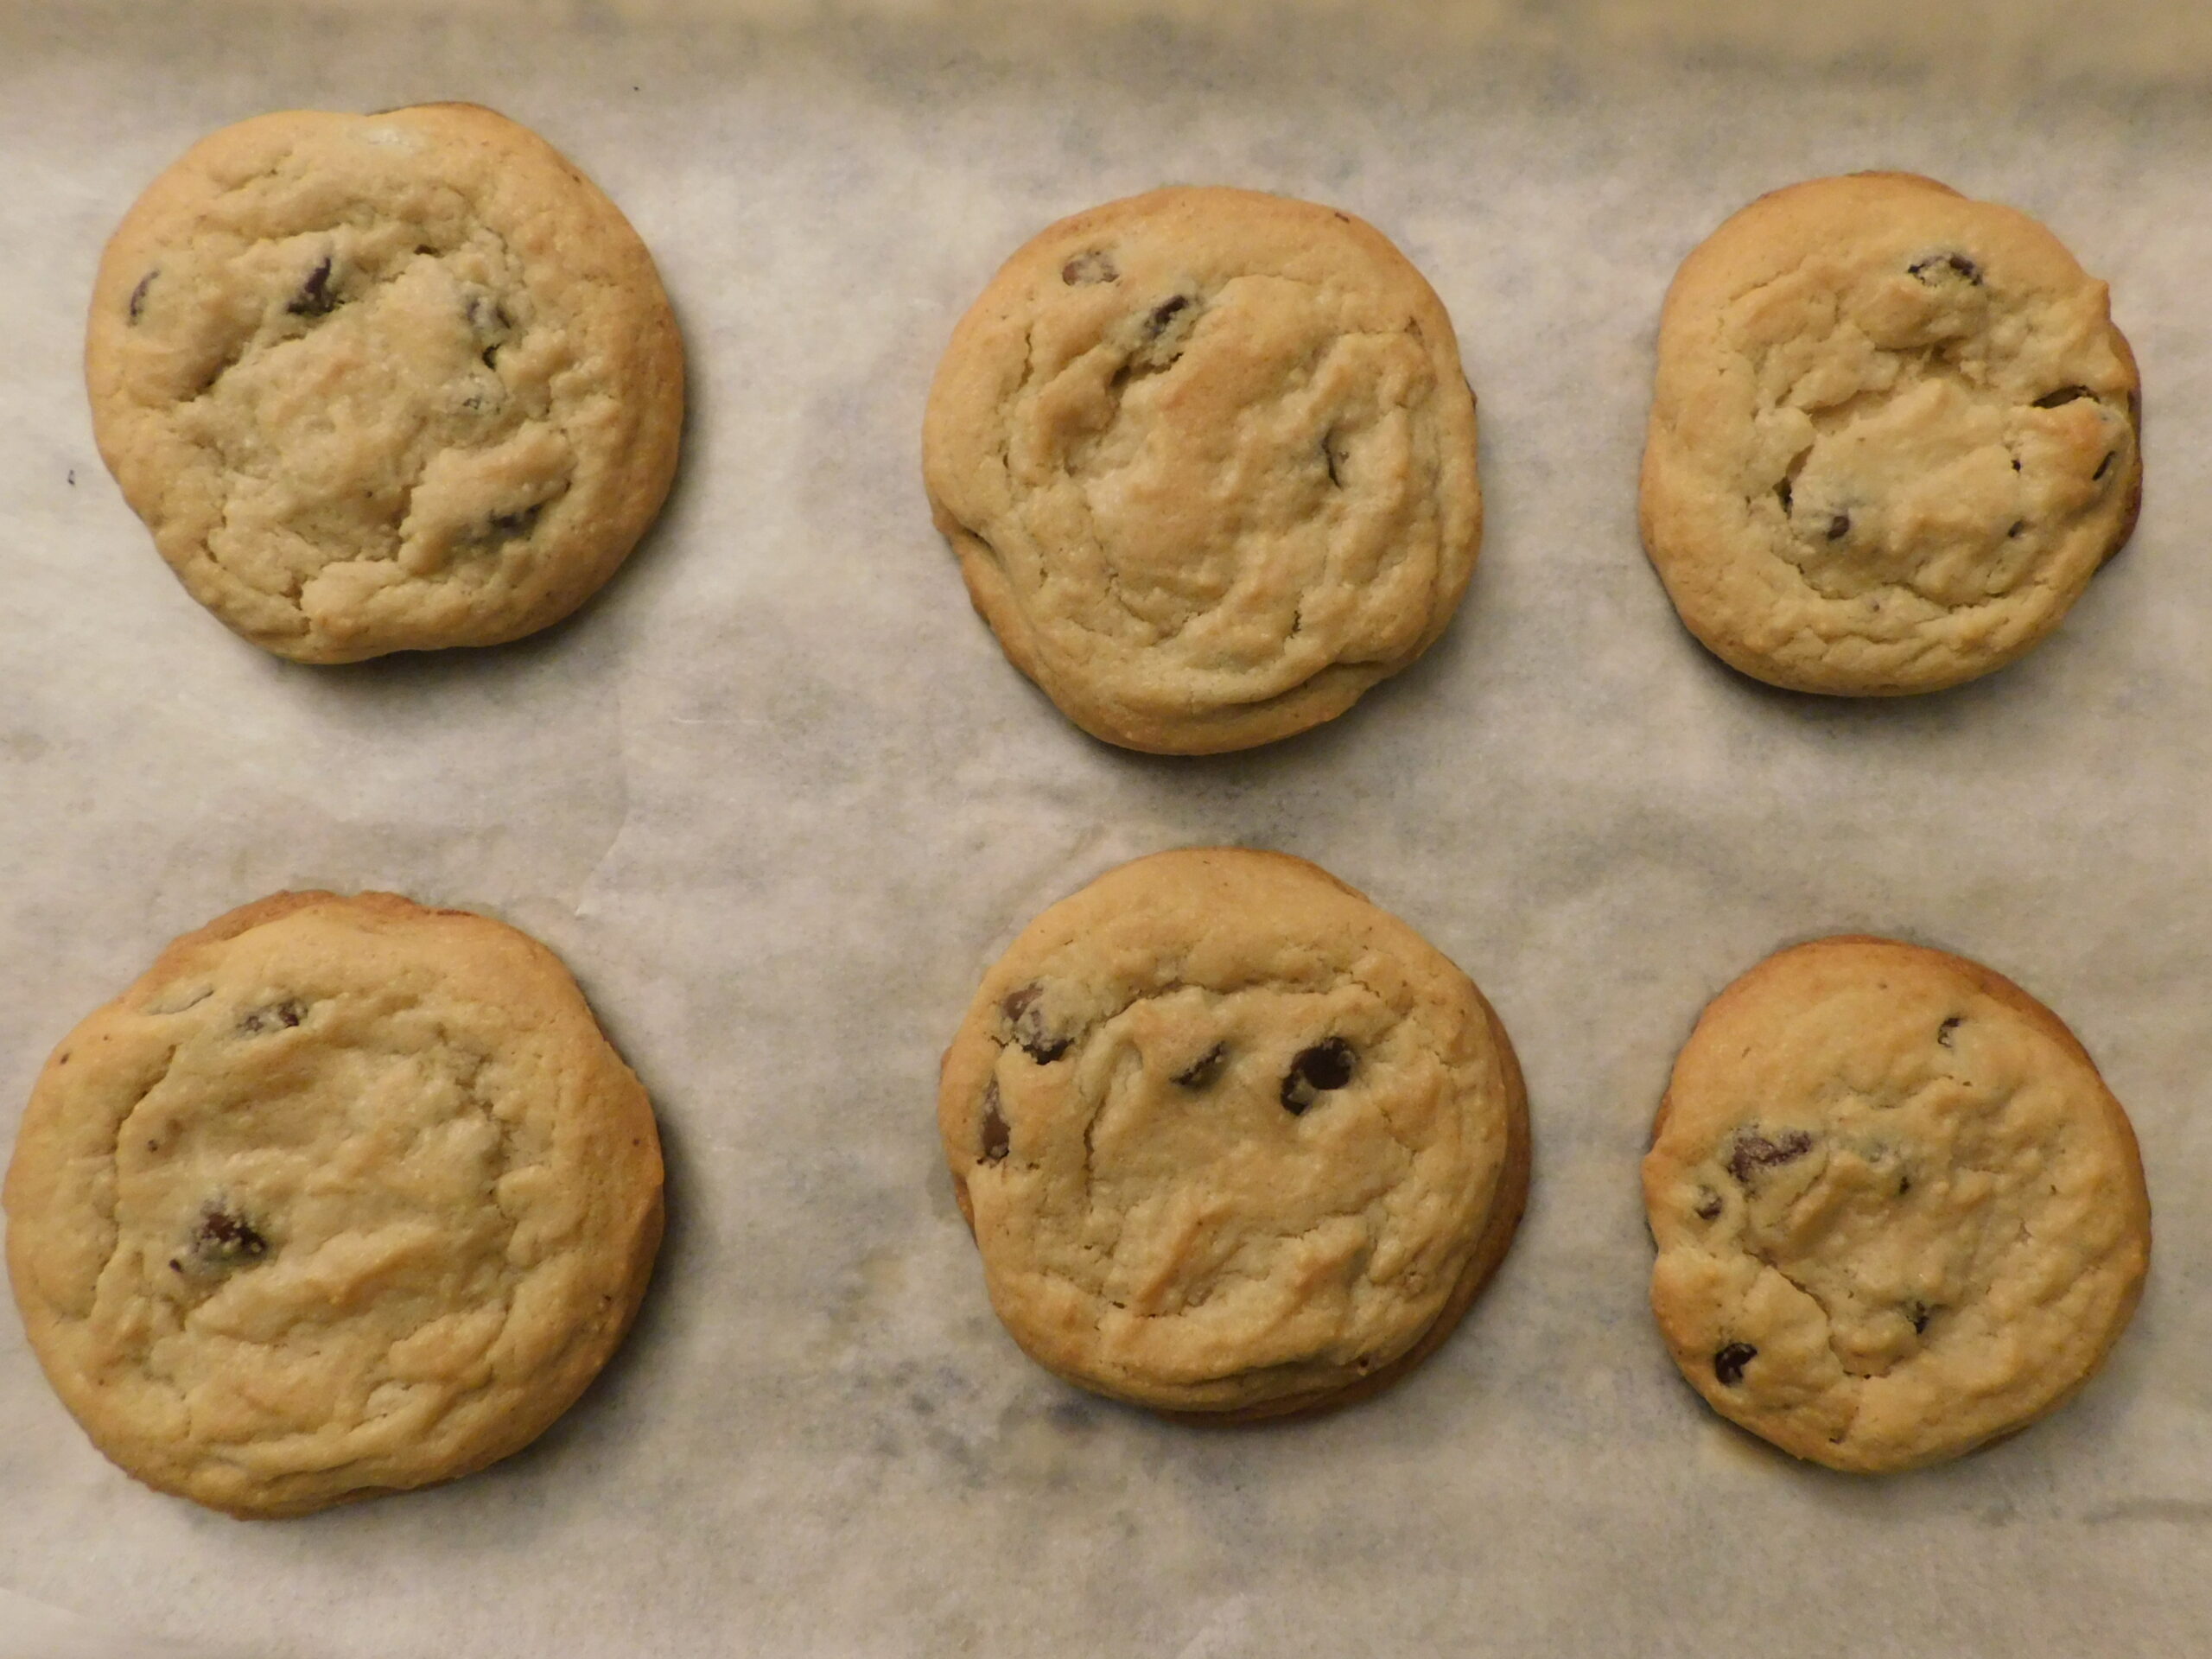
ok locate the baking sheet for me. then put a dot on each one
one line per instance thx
(778, 799)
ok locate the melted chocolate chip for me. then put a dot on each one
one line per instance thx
(997, 1137)
(1202, 1071)
(2065, 395)
(1939, 265)
(1709, 1207)
(2104, 466)
(1943, 1032)
(222, 1239)
(315, 298)
(137, 308)
(1839, 527)
(1326, 1065)
(1728, 1364)
(1094, 265)
(1753, 1152)
(1038, 1040)
(277, 1016)
(1163, 314)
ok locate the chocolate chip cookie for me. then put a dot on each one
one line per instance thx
(1232, 1140)
(1899, 1213)
(1893, 436)
(1208, 460)
(344, 1196)
(384, 383)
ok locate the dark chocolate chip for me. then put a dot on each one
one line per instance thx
(1709, 1207)
(1904, 1185)
(1328, 1064)
(1782, 494)
(2104, 466)
(1839, 527)
(997, 1137)
(138, 297)
(1036, 1039)
(225, 1239)
(2015, 463)
(1941, 264)
(1163, 314)
(1919, 1313)
(1753, 1152)
(1728, 1364)
(315, 298)
(2063, 395)
(1202, 1071)
(1943, 1032)
(1094, 265)
(275, 1017)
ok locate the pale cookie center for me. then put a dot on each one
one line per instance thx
(370, 391)
(1896, 447)
(1234, 473)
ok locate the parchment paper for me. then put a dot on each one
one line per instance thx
(778, 799)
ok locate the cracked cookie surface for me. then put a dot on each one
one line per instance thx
(1893, 435)
(1898, 1213)
(1207, 457)
(384, 383)
(1231, 1140)
(343, 1195)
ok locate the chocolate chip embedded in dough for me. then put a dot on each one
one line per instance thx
(1328, 1064)
(1752, 1151)
(1728, 1364)
(223, 1239)
(1164, 314)
(1708, 1205)
(1919, 1313)
(276, 1016)
(1025, 1016)
(1202, 1071)
(1839, 527)
(1939, 266)
(315, 298)
(1092, 265)
(1943, 1032)
(998, 1136)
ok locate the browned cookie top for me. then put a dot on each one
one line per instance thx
(344, 1195)
(1898, 1211)
(1230, 1136)
(1893, 436)
(383, 383)
(1208, 460)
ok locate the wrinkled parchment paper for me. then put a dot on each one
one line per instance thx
(778, 799)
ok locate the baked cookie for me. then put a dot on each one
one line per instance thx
(1232, 1141)
(1893, 436)
(344, 1196)
(1898, 1214)
(384, 383)
(1208, 460)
